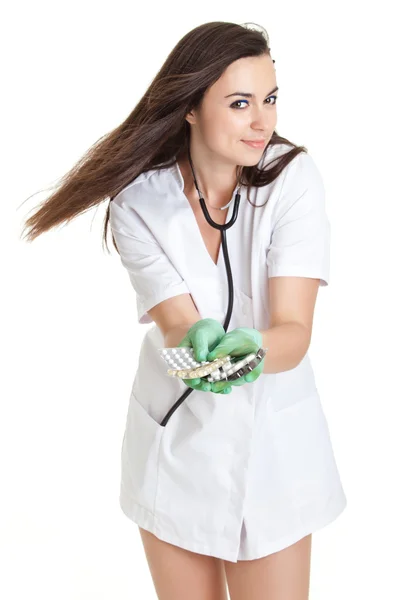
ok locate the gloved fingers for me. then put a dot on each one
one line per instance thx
(251, 377)
(202, 335)
(192, 382)
(239, 381)
(226, 390)
(221, 388)
(255, 373)
(198, 384)
(236, 343)
(200, 345)
(222, 349)
(206, 386)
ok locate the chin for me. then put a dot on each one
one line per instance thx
(244, 161)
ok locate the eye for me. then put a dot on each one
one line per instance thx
(269, 98)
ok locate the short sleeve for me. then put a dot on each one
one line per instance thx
(300, 238)
(153, 276)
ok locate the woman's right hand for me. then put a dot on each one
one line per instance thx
(203, 337)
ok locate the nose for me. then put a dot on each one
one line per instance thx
(261, 119)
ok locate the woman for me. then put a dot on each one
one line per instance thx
(231, 488)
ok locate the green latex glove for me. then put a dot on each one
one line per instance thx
(203, 337)
(238, 343)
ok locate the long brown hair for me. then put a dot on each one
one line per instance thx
(155, 133)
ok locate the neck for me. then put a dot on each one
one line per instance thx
(216, 181)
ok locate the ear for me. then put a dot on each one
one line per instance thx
(190, 118)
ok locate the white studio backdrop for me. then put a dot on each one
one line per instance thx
(72, 72)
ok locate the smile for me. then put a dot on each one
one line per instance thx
(255, 144)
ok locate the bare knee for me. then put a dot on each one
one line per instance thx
(278, 576)
(179, 574)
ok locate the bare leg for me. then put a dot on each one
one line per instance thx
(284, 575)
(179, 574)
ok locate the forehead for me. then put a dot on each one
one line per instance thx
(253, 74)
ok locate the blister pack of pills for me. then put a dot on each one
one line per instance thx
(184, 365)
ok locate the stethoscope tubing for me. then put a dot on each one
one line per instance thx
(223, 228)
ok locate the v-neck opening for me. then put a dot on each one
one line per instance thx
(181, 182)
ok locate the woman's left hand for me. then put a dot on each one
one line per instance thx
(238, 343)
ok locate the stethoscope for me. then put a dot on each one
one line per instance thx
(222, 227)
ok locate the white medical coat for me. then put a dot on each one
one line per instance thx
(242, 475)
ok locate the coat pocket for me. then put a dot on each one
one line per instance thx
(139, 454)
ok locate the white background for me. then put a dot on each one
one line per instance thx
(71, 73)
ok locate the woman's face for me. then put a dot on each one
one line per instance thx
(224, 120)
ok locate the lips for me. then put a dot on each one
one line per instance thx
(255, 144)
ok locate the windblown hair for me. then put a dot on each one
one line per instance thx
(154, 135)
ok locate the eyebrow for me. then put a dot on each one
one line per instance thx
(247, 95)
